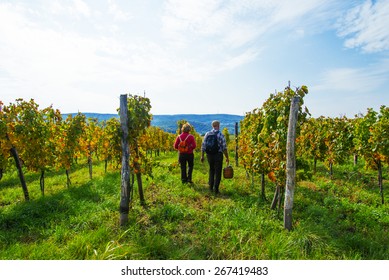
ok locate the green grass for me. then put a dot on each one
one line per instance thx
(332, 219)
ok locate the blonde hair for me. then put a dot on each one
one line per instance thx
(186, 127)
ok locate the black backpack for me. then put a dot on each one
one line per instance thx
(211, 144)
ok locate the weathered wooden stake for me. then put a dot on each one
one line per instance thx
(380, 180)
(90, 167)
(125, 171)
(236, 145)
(139, 179)
(263, 193)
(42, 182)
(18, 164)
(290, 163)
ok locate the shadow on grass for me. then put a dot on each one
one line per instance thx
(343, 219)
(34, 220)
(354, 230)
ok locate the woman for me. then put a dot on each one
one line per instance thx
(185, 144)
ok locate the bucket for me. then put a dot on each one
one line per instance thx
(228, 172)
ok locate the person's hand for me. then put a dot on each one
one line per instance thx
(227, 161)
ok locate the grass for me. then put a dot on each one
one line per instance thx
(336, 219)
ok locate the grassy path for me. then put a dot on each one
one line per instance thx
(333, 219)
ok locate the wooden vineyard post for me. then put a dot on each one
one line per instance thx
(15, 155)
(236, 145)
(290, 163)
(380, 180)
(125, 171)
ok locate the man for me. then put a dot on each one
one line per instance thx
(215, 146)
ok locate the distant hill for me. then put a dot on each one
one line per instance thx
(98, 116)
(201, 123)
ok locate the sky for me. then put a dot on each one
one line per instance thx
(195, 56)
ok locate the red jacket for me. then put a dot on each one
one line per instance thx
(190, 141)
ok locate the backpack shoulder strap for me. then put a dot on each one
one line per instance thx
(179, 136)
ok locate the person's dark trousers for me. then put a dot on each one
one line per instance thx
(215, 171)
(186, 163)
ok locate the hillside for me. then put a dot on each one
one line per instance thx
(201, 123)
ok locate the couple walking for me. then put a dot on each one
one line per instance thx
(214, 145)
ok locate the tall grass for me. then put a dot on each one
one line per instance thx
(333, 219)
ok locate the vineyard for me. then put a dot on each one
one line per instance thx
(60, 187)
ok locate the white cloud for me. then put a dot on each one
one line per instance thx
(354, 80)
(236, 24)
(29, 51)
(76, 50)
(366, 26)
(117, 13)
(80, 7)
(74, 8)
(239, 60)
(229, 24)
(58, 65)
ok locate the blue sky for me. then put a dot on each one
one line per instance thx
(198, 57)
